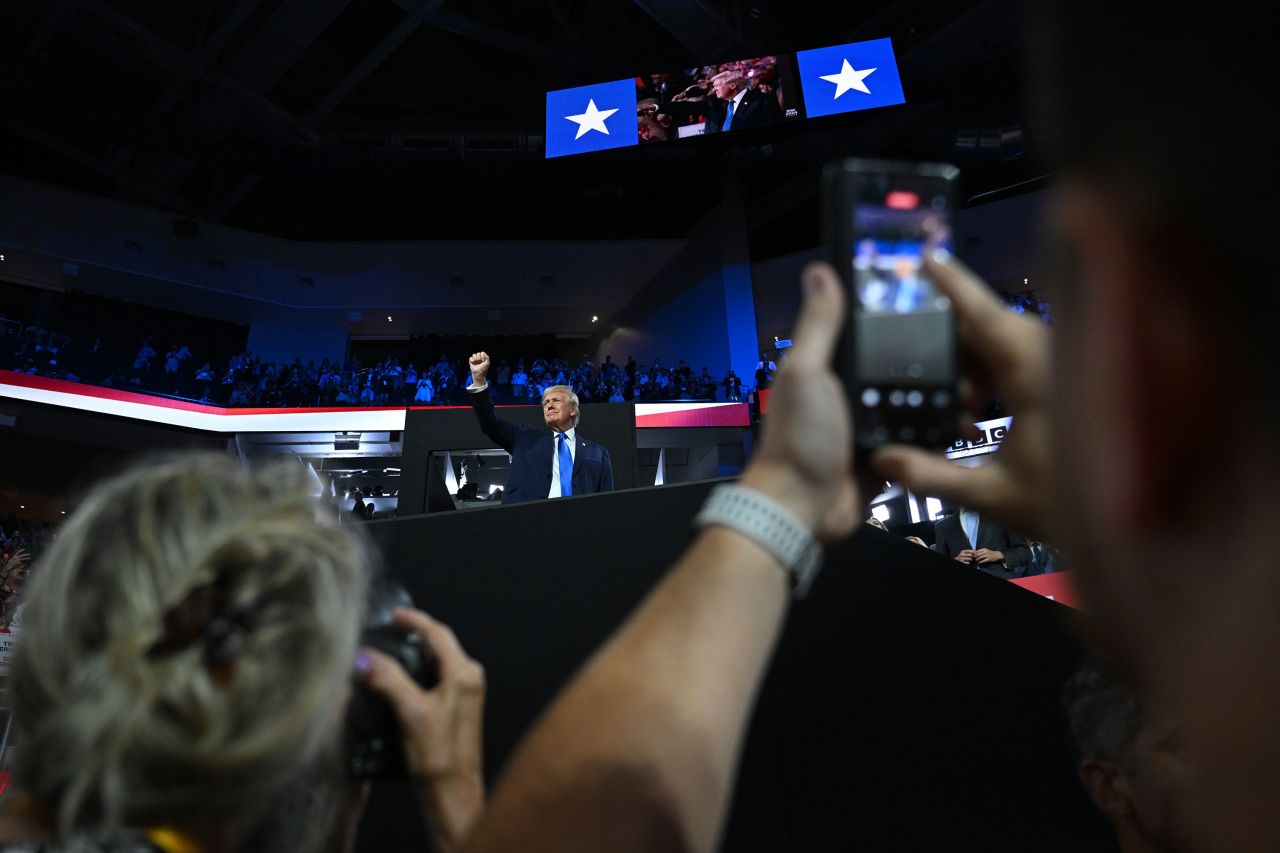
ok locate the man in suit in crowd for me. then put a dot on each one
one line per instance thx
(545, 463)
(981, 542)
(736, 105)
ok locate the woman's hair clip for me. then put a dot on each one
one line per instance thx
(205, 615)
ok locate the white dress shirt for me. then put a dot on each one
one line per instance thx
(571, 438)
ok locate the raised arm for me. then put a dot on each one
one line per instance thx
(640, 751)
(500, 432)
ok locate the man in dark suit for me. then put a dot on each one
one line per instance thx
(545, 463)
(981, 542)
(736, 105)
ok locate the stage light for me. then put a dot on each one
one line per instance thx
(881, 512)
(1026, 280)
(22, 506)
(594, 318)
(933, 508)
(64, 512)
(388, 318)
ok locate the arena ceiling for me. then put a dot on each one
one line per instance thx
(422, 119)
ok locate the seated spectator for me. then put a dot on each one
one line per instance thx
(732, 387)
(426, 392)
(145, 353)
(1044, 559)
(707, 384)
(220, 615)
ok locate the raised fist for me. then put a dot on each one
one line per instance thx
(479, 363)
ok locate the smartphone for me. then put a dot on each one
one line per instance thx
(897, 356)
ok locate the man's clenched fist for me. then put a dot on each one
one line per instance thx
(479, 362)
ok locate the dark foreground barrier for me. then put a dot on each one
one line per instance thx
(912, 704)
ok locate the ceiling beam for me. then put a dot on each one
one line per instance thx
(203, 60)
(461, 25)
(144, 189)
(698, 25)
(359, 72)
(177, 58)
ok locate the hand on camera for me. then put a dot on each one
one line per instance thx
(1012, 357)
(805, 456)
(442, 727)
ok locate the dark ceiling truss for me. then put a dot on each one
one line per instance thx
(708, 28)
(222, 91)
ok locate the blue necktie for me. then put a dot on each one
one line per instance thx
(728, 117)
(971, 528)
(566, 466)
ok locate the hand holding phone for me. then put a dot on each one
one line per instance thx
(897, 357)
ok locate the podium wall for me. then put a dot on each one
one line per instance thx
(910, 700)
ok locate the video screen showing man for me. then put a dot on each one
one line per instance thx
(555, 462)
(886, 266)
(715, 98)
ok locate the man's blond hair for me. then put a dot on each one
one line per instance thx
(573, 398)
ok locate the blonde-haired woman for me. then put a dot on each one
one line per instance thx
(189, 648)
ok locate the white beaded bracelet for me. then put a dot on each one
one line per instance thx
(770, 525)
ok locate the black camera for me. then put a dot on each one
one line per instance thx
(375, 748)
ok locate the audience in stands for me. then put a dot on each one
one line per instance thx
(23, 534)
(250, 382)
(14, 568)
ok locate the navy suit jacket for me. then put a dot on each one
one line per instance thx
(756, 110)
(531, 449)
(949, 535)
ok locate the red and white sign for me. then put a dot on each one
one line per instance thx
(7, 641)
(181, 413)
(1058, 586)
(649, 415)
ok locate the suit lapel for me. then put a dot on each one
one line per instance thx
(579, 450)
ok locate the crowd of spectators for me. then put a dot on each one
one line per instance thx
(525, 381)
(20, 540)
(248, 381)
(1027, 302)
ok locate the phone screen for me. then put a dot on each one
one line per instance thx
(897, 354)
(903, 324)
